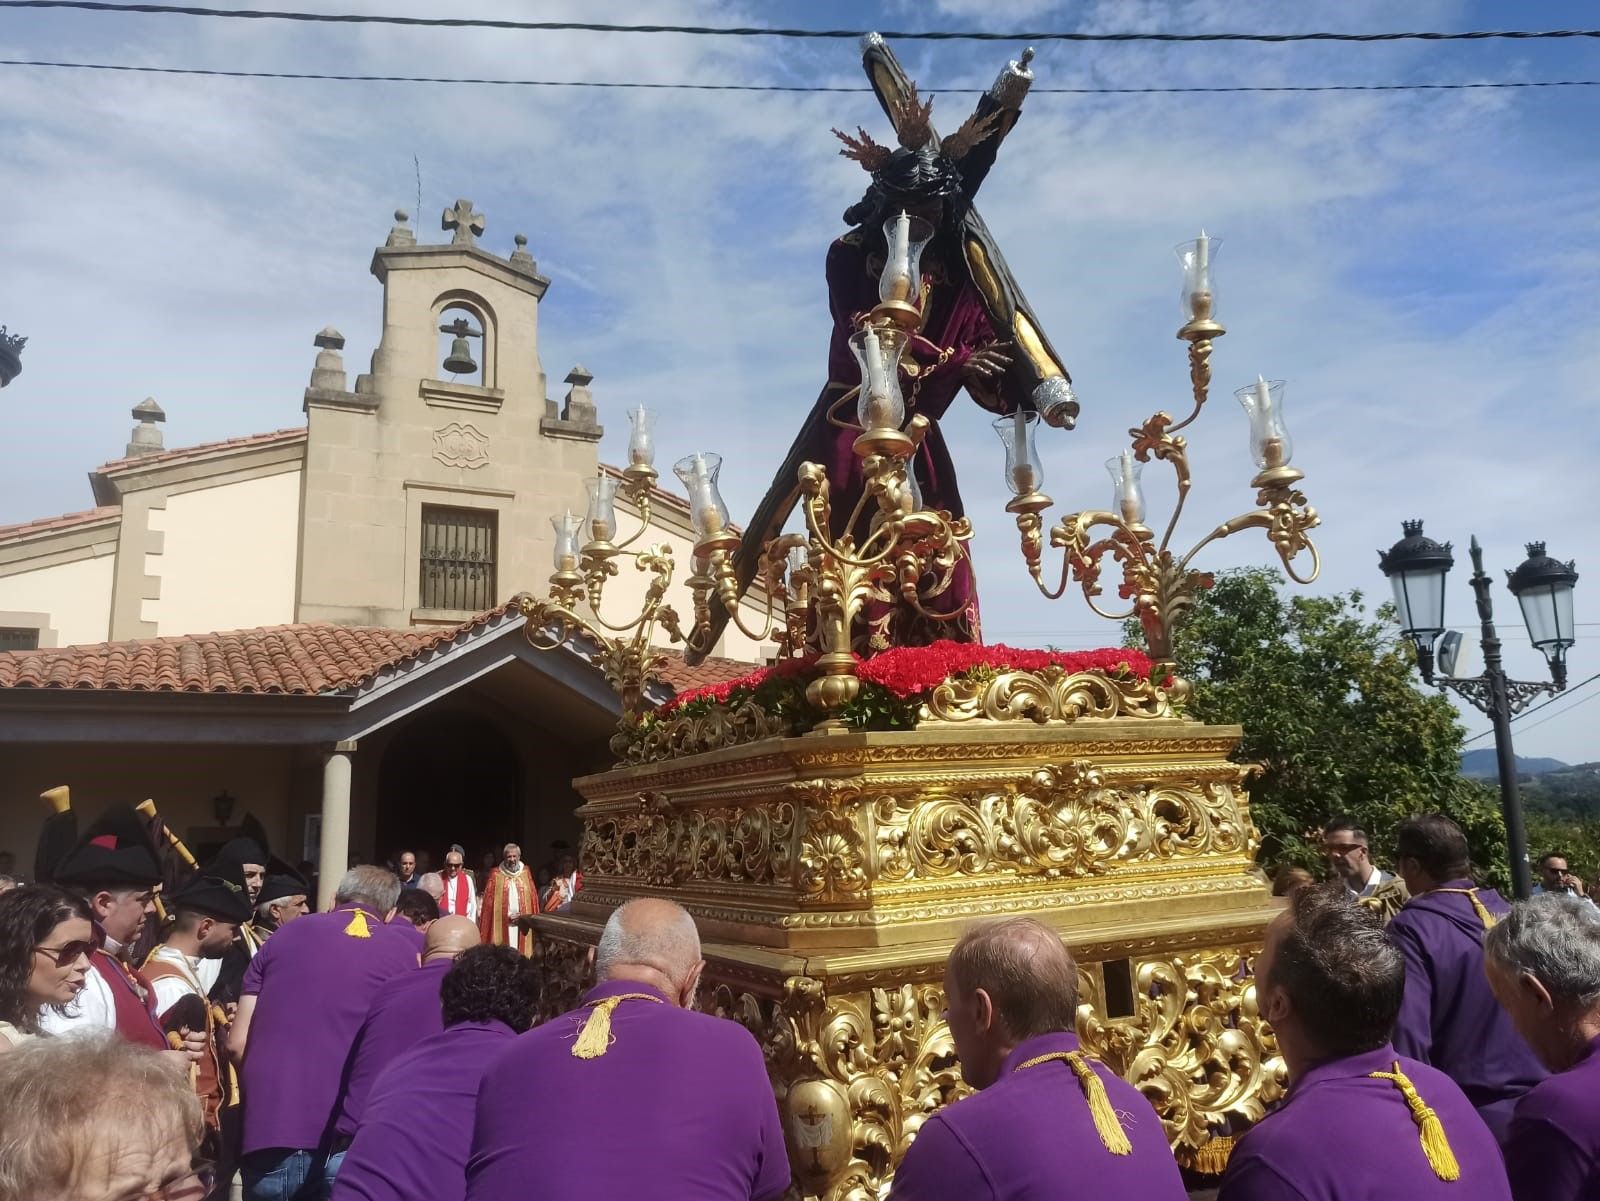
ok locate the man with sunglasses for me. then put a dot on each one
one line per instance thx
(460, 898)
(1344, 844)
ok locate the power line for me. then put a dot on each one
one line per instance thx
(753, 31)
(1564, 712)
(1560, 696)
(764, 87)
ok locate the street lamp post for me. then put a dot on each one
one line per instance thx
(1416, 567)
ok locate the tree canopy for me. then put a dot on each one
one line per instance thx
(1327, 693)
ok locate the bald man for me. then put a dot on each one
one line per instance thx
(1047, 1122)
(405, 1013)
(666, 1102)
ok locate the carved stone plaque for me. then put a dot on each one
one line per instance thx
(459, 445)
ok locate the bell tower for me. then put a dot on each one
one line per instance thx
(429, 484)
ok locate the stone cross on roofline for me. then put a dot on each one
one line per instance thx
(466, 224)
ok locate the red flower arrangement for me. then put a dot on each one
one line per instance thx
(894, 683)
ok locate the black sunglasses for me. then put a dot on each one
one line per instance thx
(68, 952)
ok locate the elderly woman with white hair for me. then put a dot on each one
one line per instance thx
(1543, 963)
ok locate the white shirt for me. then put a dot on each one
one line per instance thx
(93, 1009)
(169, 990)
(1378, 877)
(462, 879)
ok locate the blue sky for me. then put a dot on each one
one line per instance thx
(1421, 267)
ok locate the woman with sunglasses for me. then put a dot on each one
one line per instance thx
(45, 940)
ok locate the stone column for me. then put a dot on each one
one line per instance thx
(334, 852)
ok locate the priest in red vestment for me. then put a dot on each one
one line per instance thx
(564, 885)
(508, 894)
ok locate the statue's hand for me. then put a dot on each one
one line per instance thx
(983, 371)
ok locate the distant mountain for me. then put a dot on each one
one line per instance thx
(1481, 762)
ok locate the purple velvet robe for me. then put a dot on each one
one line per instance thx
(1449, 1018)
(314, 982)
(1029, 1137)
(1553, 1150)
(402, 1015)
(1343, 1136)
(956, 326)
(416, 1129)
(678, 1106)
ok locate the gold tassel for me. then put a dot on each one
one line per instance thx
(1488, 919)
(358, 925)
(595, 1036)
(1105, 1118)
(1211, 1159)
(1434, 1143)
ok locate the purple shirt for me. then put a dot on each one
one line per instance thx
(1029, 1136)
(1553, 1151)
(313, 984)
(1343, 1136)
(416, 1130)
(412, 935)
(402, 1015)
(1448, 1017)
(678, 1106)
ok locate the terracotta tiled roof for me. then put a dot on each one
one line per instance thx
(204, 448)
(710, 671)
(305, 659)
(46, 525)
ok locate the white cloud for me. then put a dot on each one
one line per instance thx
(1420, 267)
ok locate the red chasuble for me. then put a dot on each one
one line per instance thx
(132, 997)
(494, 909)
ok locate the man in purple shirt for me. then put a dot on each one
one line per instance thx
(633, 1094)
(402, 1015)
(1543, 961)
(1361, 1122)
(304, 997)
(1449, 1018)
(1049, 1124)
(416, 1130)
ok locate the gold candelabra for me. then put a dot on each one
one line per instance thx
(817, 582)
(1158, 581)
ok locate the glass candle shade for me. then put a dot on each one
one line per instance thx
(905, 237)
(1024, 472)
(880, 405)
(602, 508)
(799, 559)
(567, 527)
(1127, 494)
(1198, 298)
(707, 513)
(641, 437)
(1270, 444)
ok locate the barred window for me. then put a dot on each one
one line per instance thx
(14, 639)
(458, 557)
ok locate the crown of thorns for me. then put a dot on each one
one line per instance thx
(913, 128)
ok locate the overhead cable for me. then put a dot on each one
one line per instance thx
(772, 87)
(937, 35)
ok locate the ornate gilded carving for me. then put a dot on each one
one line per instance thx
(1049, 695)
(1065, 822)
(832, 860)
(663, 846)
(690, 733)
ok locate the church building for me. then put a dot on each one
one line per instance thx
(314, 624)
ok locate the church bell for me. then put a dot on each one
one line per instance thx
(460, 361)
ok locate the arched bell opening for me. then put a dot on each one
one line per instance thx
(466, 340)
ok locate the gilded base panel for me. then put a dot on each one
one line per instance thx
(830, 874)
(859, 1061)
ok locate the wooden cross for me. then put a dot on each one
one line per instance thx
(465, 223)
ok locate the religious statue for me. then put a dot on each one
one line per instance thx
(975, 330)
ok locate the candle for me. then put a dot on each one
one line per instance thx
(1202, 258)
(1022, 472)
(566, 543)
(899, 267)
(1129, 501)
(877, 381)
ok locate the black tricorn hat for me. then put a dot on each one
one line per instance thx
(228, 863)
(115, 851)
(282, 881)
(212, 897)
